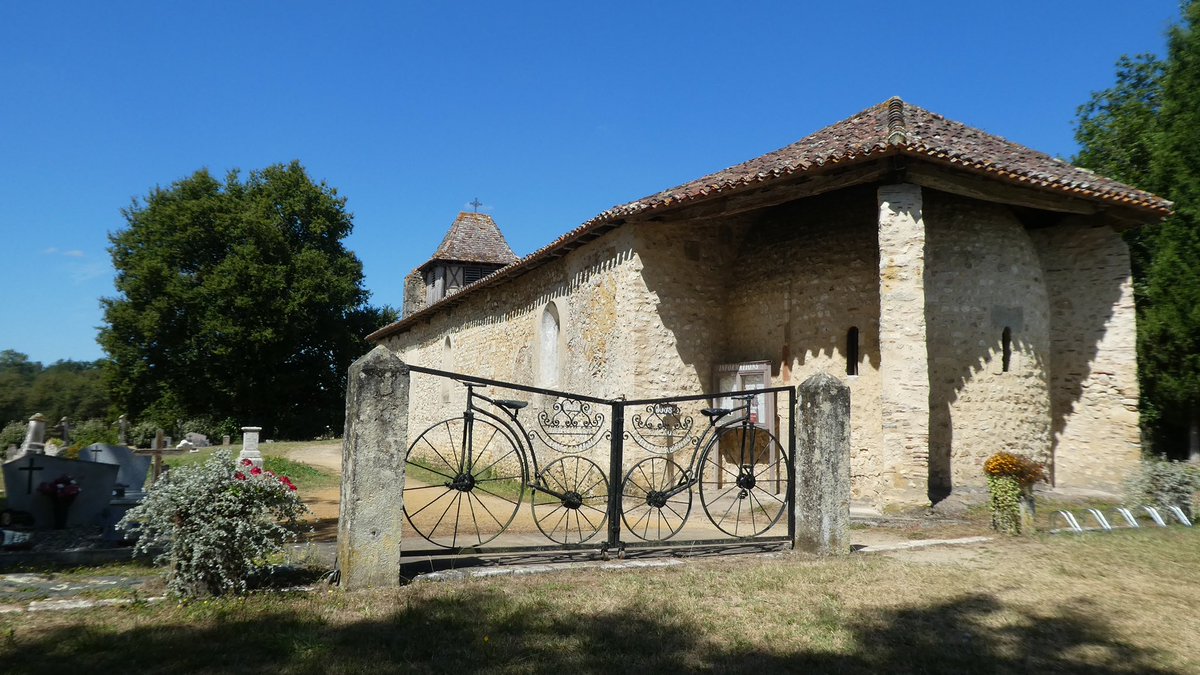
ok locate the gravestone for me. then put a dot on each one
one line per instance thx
(131, 469)
(122, 431)
(225, 441)
(23, 476)
(250, 446)
(65, 425)
(197, 440)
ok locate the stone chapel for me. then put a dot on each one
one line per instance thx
(973, 293)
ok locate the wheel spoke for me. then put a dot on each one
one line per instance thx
(452, 467)
(453, 500)
(496, 495)
(431, 503)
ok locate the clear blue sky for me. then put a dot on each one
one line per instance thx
(548, 112)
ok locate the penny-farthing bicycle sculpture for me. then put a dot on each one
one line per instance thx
(467, 476)
(738, 469)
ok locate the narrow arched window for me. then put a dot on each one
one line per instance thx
(548, 335)
(447, 364)
(1006, 349)
(852, 351)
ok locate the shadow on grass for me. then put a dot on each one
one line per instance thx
(485, 631)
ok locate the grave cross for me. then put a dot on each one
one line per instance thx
(30, 468)
(476, 203)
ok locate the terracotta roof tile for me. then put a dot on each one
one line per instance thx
(474, 238)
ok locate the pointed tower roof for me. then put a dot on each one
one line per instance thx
(474, 238)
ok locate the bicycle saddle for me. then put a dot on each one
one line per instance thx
(511, 404)
(714, 413)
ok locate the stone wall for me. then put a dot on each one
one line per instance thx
(414, 292)
(806, 274)
(1093, 329)
(983, 276)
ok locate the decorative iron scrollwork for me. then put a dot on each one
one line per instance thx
(661, 427)
(570, 426)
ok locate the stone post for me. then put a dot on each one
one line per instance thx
(65, 425)
(35, 435)
(250, 446)
(122, 430)
(371, 513)
(822, 485)
(902, 345)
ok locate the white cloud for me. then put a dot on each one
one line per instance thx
(69, 253)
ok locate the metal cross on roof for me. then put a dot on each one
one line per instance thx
(476, 203)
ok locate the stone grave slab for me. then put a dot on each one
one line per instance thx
(197, 440)
(23, 476)
(133, 468)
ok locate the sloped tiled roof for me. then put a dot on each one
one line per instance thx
(891, 128)
(896, 127)
(475, 238)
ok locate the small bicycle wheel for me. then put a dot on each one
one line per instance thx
(464, 482)
(743, 481)
(648, 509)
(569, 500)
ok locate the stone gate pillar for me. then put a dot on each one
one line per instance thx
(371, 513)
(822, 485)
(903, 355)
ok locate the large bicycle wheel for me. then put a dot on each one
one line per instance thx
(572, 509)
(648, 509)
(464, 482)
(743, 481)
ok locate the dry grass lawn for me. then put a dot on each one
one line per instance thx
(1123, 602)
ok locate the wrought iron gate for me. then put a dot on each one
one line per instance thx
(595, 474)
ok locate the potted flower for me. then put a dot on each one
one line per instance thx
(61, 491)
(1010, 480)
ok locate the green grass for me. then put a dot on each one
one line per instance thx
(274, 459)
(305, 476)
(1119, 602)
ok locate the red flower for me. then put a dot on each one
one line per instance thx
(239, 475)
(256, 471)
(246, 462)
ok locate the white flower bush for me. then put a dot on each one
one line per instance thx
(216, 523)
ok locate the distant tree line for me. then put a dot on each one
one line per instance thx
(72, 389)
(1145, 131)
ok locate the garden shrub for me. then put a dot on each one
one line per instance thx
(13, 434)
(1163, 483)
(216, 522)
(92, 431)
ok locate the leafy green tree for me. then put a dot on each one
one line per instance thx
(1116, 131)
(1145, 131)
(237, 299)
(1170, 336)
